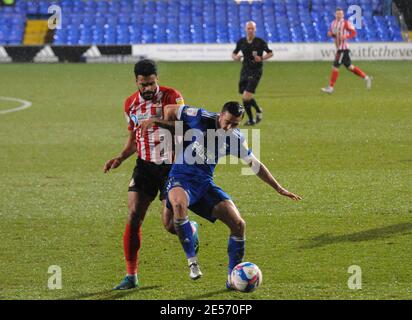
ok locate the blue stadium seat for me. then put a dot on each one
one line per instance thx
(195, 21)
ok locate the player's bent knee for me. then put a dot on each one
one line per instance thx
(136, 214)
(247, 97)
(137, 207)
(135, 217)
(136, 211)
(178, 205)
(179, 209)
(239, 228)
(242, 226)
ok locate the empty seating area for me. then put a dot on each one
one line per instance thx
(112, 22)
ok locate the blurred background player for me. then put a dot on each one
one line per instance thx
(152, 165)
(191, 185)
(252, 49)
(342, 30)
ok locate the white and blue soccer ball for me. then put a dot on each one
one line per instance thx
(246, 277)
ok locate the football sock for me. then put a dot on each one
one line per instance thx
(132, 239)
(236, 251)
(184, 231)
(333, 77)
(256, 106)
(358, 72)
(248, 108)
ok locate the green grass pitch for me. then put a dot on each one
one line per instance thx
(349, 155)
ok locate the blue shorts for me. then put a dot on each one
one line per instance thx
(203, 195)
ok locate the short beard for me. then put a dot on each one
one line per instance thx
(146, 95)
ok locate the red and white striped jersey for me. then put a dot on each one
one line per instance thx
(137, 109)
(342, 30)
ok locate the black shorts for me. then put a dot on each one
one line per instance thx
(249, 81)
(150, 178)
(342, 57)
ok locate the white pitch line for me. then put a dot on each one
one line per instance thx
(25, 104)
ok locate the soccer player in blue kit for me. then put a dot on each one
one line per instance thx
(191, 186)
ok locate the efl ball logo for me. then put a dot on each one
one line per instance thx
(246, 277)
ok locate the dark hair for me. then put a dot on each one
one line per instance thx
(234, 108)
(338, 9)
(145, 68)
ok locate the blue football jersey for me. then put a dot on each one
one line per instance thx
(204, 143)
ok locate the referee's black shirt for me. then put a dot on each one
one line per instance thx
(250, 50)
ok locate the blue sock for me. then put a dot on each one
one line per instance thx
(185, 233)
(236, 251)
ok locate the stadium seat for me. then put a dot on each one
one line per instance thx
(194, 21)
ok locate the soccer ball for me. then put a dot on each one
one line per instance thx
(246, 277)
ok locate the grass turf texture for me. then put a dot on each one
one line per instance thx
(349, 155)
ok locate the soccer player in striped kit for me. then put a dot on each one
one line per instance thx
(155, 157)
(342, 30)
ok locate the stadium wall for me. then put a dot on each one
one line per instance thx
(199, 52)
(282, 51)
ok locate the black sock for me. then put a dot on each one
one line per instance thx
(254, 104)
(248, 108)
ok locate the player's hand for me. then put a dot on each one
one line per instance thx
(145, 125)
(258, 59)
(289, 194)
(112, 164)
(237, 58)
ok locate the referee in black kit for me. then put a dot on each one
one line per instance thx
(252, 69)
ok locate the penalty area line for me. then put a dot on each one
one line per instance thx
(24, 105)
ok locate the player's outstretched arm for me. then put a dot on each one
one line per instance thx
(168, 121)
(264, 174)
(171, 111)
(128, 150)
